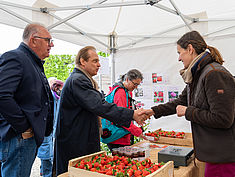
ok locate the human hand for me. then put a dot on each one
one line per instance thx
(148, 112)
(143, 137)
(140, 117)
(180, 110)
(100, 131)
(27, 134)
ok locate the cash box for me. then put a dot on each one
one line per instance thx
(180, 155)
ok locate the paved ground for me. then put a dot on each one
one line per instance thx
(35, 172)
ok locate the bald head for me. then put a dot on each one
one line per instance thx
(31, 29)
(38, 38)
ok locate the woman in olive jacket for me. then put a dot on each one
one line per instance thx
(208, 102)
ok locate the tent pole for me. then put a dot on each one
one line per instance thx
(112, 67)
(112, 48)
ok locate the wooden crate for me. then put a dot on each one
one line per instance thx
(64, 175)
(164, 171)
(186, 141)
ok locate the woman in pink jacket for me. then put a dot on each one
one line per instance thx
(128, 83)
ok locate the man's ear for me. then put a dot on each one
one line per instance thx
(32, 42)
(190, 49)
(82, 61)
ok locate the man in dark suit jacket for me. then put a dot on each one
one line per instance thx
(26, 103)
(81, 104)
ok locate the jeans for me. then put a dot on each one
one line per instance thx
(46, 168)
(45, 153)
(17, 156)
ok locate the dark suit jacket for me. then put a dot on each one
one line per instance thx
(77, 131)
(25, 97)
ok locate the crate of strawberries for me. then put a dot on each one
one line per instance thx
(100, 165)
(171, 137)
(171, 134)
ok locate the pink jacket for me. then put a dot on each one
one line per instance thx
(120, 100)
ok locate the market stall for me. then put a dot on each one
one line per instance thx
(191, 168)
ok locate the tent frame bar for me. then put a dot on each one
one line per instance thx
(112, 50)
(81, 32)
(61, 21)
(219, 30)
(105, 35)
(93, 6)
(180, 14)
(73, 15)
(15, 14)
(145, 38)
(19, 6)
(174, 12)
(216, 19)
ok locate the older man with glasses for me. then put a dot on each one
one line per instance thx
(26, 102)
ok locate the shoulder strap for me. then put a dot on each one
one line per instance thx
(110, 96)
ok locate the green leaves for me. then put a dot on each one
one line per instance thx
(59, 66)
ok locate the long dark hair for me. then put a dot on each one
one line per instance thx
(196, 40)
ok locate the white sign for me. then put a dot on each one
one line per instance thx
(104, 62)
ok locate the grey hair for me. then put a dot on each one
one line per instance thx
(132, 75)
(31, 29)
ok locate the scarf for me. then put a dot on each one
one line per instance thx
(187, 73)
(95, 86)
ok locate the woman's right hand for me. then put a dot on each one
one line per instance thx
(142, 136)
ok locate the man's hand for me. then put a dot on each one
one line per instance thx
(27, 134)
(148, 112)
(140, 117)
(180, 110)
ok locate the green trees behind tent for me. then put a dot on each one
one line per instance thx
(59, 66)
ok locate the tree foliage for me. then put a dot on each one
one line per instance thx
(59, 66)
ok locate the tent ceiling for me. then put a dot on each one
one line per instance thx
(135, 23)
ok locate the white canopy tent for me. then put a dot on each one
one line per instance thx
(115, 25)
(138, 33)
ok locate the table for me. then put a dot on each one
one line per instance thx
(189, 171)
(64, 175)
(194, 169)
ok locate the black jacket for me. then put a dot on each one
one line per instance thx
(25, 97)
(77, 130)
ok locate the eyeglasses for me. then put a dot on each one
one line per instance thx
(135, 84)
(49, 40)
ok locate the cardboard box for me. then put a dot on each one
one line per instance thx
(164, 171)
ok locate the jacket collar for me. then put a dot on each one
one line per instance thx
(204, 60)
(35, 56)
